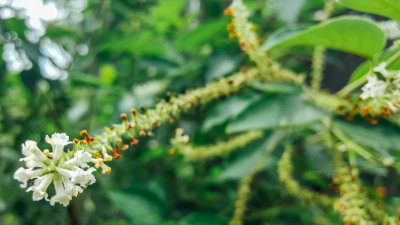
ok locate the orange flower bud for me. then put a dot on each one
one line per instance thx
(134, 142)
(228, 11)
(123, 116)
(230, 27)
(133, 112)
(172, 151)
(142, 133)
(232, 35)
(381, 191)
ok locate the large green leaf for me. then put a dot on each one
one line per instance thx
(272, 111)
(387, 8)
(348, 33)
(140, 207)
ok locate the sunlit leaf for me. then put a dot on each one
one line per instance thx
(342, 33)
(387, 8)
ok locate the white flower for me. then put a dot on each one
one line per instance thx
(69, 174)
(374, 88)
(381, 68)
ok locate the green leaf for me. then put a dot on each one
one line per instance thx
(167, 13)
(140, 208)
(143, 43)
(366, 67)
(387, 8)
(174, 223)
(348, 33)
(272, 111)
(203, 34)
(107, 74)
(227, 110)
(380, 138)
(246, 161)
(85, 79)
(361, 71)
(221, 65)
(203, 218)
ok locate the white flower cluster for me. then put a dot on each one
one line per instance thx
(383, 92)
(391, 29)
(68, 171)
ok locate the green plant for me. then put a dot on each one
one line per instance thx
(347, 125)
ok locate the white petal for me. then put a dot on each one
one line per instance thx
(97, 162)
(32, 161)
(71, 188)
(30, 148)
(80, 158)
(40, 187)
(381, 68)
(58, 142)
(61, 196)
(374, 88)
(106, 156)
(23, 175)
(67, 173)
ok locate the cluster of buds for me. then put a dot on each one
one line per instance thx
(107, 146)
(181, 144)
(245, 32)
(250, 43)
(354, 204)
(285, 172)
(352, 201)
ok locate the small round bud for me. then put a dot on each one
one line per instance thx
(133, 112)
(124, 116)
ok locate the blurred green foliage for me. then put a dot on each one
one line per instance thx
(127, 54)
